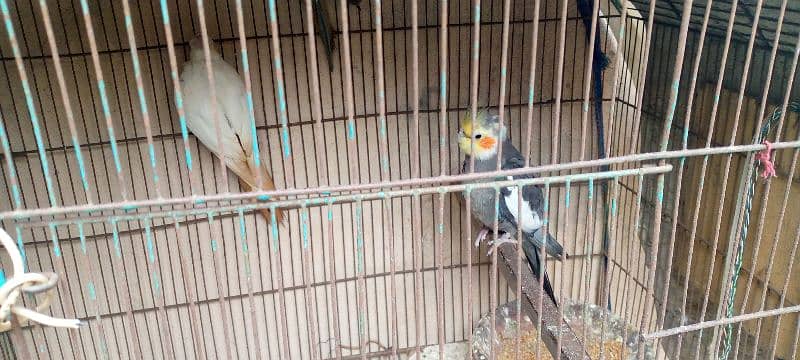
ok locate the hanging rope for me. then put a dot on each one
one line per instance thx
(30, 283)
(764, 158)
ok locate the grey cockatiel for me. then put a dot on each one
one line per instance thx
(234, 117)
(488, 134)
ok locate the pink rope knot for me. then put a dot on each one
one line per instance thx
(764, 157)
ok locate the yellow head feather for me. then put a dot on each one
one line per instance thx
(486, 132)
(479, 122)
(466, 127)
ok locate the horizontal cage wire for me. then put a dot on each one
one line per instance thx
(290, 180)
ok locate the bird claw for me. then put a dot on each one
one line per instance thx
(481, 236)
(505, 238)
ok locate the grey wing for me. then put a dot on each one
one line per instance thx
(532, 206)
(529, 215)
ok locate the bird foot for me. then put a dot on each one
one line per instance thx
(505, 238)
(481, 236)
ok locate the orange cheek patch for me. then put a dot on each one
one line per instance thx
(487, 142)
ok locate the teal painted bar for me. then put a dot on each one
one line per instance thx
(54, 240)
(273, 226)
(178, 97)
(92, 291)
(82, 237)
(359, 239)
(243, 233)
(614, 199)
(151, 255)
(21, 246)
(37, 131)
(137, 72)
(101, 88)
(115, 234)
(304, 224)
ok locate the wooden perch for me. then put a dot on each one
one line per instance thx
(571, 347)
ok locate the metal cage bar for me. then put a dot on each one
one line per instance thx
(427, 270)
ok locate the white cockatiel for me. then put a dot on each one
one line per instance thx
(234, 118)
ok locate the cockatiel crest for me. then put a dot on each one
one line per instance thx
(485, 131)
(236, 147)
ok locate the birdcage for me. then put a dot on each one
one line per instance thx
(647, 131)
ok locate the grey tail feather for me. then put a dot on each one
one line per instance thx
(356, 3)
(532, 254)
(552, 247)
(548, 289)
(325, 32)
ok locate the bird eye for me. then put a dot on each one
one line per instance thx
(478, 136)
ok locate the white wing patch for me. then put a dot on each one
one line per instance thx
(529, 220)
